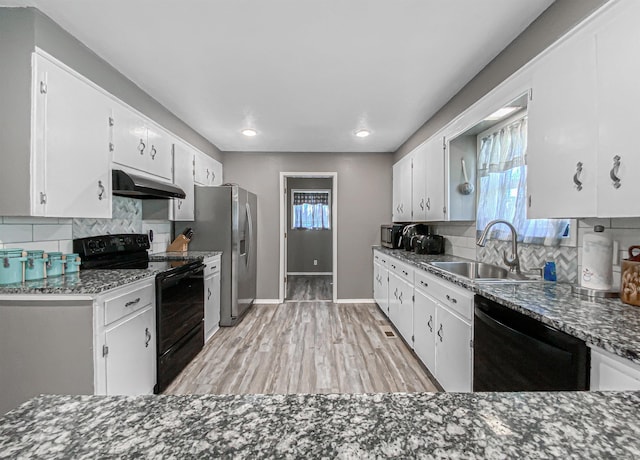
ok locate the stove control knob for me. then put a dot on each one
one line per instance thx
(91, 244)
(102, 244)
(140, 240)
(128, 240)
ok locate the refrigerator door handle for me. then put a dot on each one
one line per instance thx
(248, 249)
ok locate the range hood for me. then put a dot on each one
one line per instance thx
(134, 186)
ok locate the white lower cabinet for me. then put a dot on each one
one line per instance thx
(126, 332)
(211, 297)
(613, 373)
(381, 287)
(130, 361)
(401, 306)
(453, 351)
(424, 329)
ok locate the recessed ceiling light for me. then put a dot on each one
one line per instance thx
(249, 132)
(362, 133)
(501, 113)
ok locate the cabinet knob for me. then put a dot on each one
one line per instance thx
(101, 190)
(576, 176)
(147, 335)
(153, 152)
(614, 172)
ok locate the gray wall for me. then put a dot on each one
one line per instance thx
(29, 27)
(559, 18)
(303, 246)
(364, 202)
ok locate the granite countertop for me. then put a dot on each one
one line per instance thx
(606, 323)
(432, 425)
(186, 256)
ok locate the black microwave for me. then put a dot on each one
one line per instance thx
(390, 235)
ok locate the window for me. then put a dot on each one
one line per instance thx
(311, 209)
(502, 193)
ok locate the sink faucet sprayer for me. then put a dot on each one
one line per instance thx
(512, 262)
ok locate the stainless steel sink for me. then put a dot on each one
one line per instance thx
(478, 271)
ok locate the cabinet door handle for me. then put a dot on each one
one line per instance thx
(614, 172)
(395, 293)
(422, 204)
(405, 273)
(208, 293)
(440, 332)
(429, 204)
(101, 190)
(576, 176)
(424, 284)
(451, 299)
(400, 298)
(112, 147)
(43, 87)
(207, 173)
(133, 302)
(179, 204)
(153, 152)
(147, 335)
(43, 198)
(141, 147)
(430, 323)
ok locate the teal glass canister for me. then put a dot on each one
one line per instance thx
(34, 268)
(11, 264)
(72, 264)
(55, 264)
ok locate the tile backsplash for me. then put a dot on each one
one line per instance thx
(53, 234)
(461, 241)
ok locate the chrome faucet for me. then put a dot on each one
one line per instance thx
(512, 262)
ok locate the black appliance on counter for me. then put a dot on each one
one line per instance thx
(429, 244)
(390, 235)
(513, 352)
(179, 297)
(410, 234)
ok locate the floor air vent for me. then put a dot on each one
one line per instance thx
(388, 331)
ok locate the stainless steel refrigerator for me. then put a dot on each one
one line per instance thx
(225, 220)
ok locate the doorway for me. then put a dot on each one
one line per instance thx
(308, 237)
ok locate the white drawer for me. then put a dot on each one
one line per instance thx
(401, 269)
(455, 298)
(125, 303)
(380, 258)
(212, 266)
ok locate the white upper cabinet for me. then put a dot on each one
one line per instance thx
(208, 171)
(419, 184)
(435, 178)
(563, 135)
(70, 140)
(139, 144)
(619, 117)
(183, 171)
(402, 190)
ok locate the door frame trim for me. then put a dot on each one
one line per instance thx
(283, 226)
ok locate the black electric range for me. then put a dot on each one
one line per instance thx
(179, 296)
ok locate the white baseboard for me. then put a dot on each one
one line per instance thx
(310, 273)
(266, 302)
(355, 301)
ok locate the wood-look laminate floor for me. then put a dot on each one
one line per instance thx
(309, 287)
(307, 347)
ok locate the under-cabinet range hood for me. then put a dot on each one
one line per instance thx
(134, 186)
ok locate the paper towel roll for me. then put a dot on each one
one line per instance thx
(597, 261)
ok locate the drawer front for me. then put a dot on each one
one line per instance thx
(380, 258)
(212, 267)
(120, 306)
(401, 269)
(448, 294)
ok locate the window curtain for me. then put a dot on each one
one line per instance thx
(311, 210)
(503, 178)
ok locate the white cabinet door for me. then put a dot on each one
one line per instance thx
(183, 208)
(563, 134)
(453, 351)
(216, 167)
(402, 190)
(71, 145)
(619, 117)
(613, 373)
(129, 138)
(208, 170)
(131, 357)
(211, 305)
(404, 319)
(424, 327)
(419, 184)
(435, 180)
(381, 287)
(395, 288)
(160, 159)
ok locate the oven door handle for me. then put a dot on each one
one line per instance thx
(179, 276)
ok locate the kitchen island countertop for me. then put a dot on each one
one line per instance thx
(432, 425)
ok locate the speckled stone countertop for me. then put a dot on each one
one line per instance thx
(425, 425)
(186, 256)
(605, 323)
(85, 282)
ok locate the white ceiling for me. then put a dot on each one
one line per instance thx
(304, 73)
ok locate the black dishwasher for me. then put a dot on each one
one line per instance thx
(513, 352)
